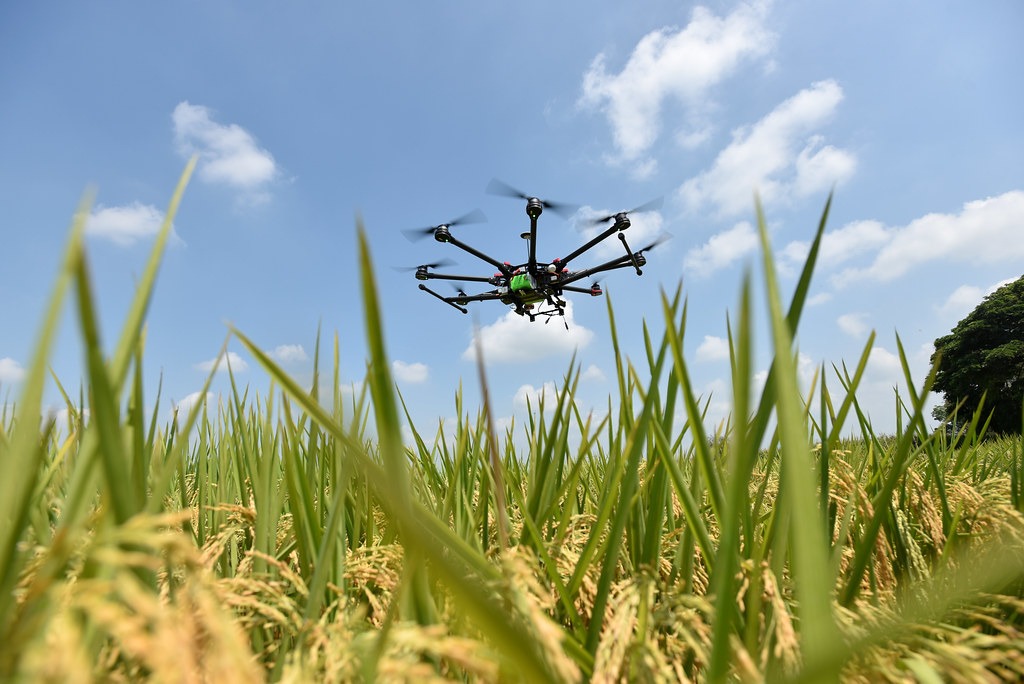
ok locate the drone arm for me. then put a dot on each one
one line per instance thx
(479, 255)
(449, 303)
(482, 297)
(446, 276)
(620, 262)
(581, 290)
(607, 233)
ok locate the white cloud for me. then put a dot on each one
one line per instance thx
(965, 298)
(819, 299)
(128, 224)
(592, 374)
(532, 395)
(228, 154)
(884, 366)
(840, 245)
(184, 406)
(513, 338)
(410, 372)
(288, 353)
(11, 371)
(675, 64)
(853, 324)
(721, 250)
(713, 349)
(236, 362)
(985, 231)
(780, 157)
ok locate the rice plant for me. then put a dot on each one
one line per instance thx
(269, 538)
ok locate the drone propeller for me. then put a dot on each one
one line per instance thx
(475, 216)
(648, 206)
(497, 187)
(439, 264)
(664, 237)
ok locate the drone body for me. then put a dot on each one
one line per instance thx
(532, 288)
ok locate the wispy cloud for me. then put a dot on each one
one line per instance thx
(221, 363)
(781, 157)
(11, 371)
(840, 245)
(127, 224)
(721, 250)
(410, 372)
(680, 65)
(984, 232)
(853, 324)
(514, 339)
(228, 154)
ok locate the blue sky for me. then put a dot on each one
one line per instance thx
(304, 115)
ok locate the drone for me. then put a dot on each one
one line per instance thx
(534, 289)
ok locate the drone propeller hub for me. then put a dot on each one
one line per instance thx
(441, 233)
(622, 221)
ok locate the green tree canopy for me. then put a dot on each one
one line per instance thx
(984, 355)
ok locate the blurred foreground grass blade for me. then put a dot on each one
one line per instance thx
(743, 456)
(104, 405)
(389, 430)
(634, 447)
(818, 632)
(24, 454)
(144, 290)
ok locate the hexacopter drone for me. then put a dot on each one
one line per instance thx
(533, 288)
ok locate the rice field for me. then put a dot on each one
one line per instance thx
(295, 536)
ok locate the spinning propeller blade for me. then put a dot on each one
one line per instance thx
(497, 187)
(439, 264)
(653, 205)
(475, 216)
(664, 237)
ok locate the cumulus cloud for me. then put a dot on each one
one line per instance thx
(228, 154)
(530, 395)
(11, 371)
(780, 157)
(965, 298)
(410, 372)
(672, 64)
(128, 224)
(713, 349)
(721, 250)
(184, 406)
(513, 338)
(218, 365)
(840, 245)
(287, 353)
(986, 231)
(592, 373)
(853, 324)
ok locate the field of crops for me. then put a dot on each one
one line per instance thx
(285, 537)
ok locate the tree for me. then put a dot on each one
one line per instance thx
(984, 356)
